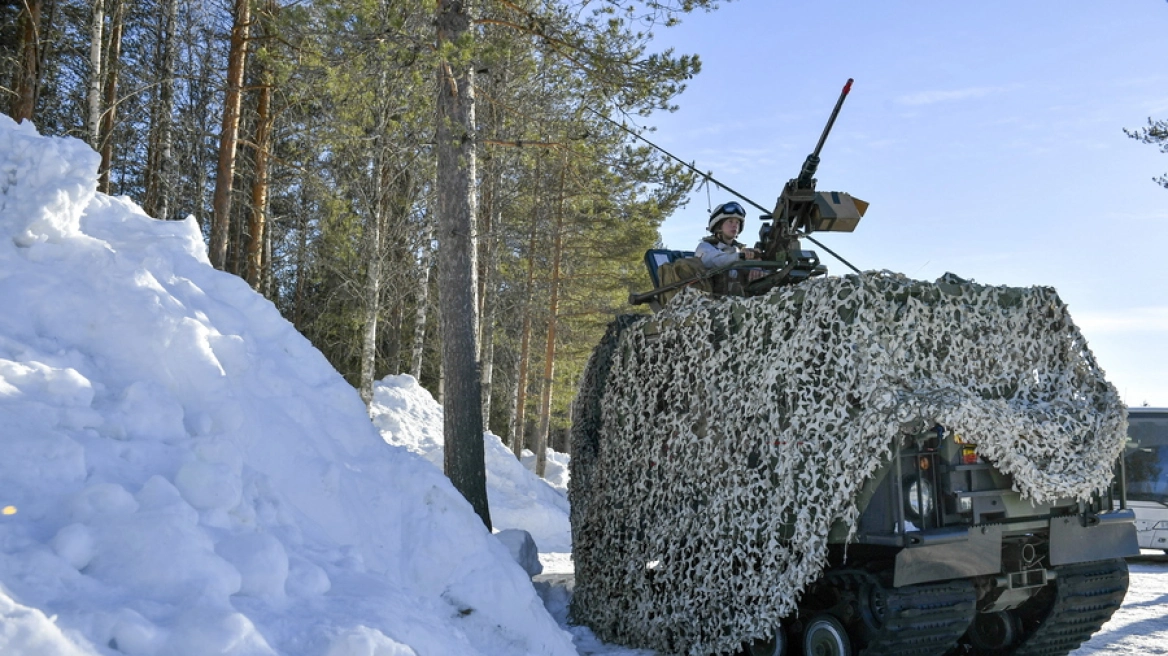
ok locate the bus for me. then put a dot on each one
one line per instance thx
(1146, 465)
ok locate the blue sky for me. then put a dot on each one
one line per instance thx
(987, 137)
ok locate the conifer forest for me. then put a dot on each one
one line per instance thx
(304, 137)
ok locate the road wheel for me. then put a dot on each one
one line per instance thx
(991, 633)
(873, 604)
(825, 636)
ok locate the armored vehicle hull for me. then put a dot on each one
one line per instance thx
(857, 465)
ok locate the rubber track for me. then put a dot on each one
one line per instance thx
(919, 620)
(1086, 595)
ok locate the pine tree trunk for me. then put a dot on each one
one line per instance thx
(487, 347)
(299, 289)
(28, 77)
(484, 245)
(549, 363)
(93, 124)
(237, 235)
(421, 304)
(455, 146)
(229, 135)
(486, 303)
(486, 272)
(266, 283)
(161, 140)
(109, 117)
(372, 259)
(519, 432)
(390, 339)
(257, 226)
(512, 434)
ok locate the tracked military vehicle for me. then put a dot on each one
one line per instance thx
(835, 465)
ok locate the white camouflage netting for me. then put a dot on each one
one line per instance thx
(699, 432)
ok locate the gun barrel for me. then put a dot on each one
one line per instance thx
(831, 120)
(811, 164)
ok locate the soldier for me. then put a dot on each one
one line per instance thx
(721, 248)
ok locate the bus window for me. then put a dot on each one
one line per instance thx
(1147, 454)
(1146, 465)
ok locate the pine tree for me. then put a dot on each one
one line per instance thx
(455, 146)
(1156, 133)
(333, 109)
(229, 133)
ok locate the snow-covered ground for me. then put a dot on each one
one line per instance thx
(181, 473)
(407, 416)
(1140, 626)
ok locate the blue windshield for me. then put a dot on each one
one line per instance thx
(1146, 460)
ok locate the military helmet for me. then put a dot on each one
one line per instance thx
(731, 210)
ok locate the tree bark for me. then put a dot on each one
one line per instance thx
(28, 76)
(229, 135)
(421, 305)
(158, 176)
(299, 289)
(109, 117)
(487, 348)
(93, 124)
(266, 282)
(486, 304)
(549, 362)
(512, 434)
(390, 338)
(483, 246)
(519, 430)
(455, 146)
(372, 244)
(257, 226)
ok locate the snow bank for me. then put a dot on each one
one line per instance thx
(189, 475)
(408, 416)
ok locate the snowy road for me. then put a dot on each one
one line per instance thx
(1139, 627)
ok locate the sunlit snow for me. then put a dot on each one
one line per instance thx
(190, 476)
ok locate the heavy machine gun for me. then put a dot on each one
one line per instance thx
(799, 211)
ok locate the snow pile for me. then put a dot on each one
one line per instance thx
(184, 474)
(556, 469)
(408, 416)
(715, 444)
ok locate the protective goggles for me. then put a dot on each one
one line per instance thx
(729, 209)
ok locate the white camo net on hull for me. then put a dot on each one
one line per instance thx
(700, 432)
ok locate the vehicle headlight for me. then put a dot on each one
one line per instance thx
(918, 497)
